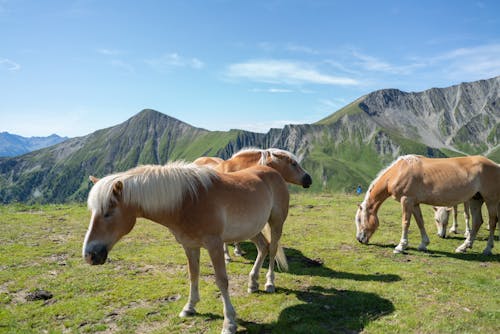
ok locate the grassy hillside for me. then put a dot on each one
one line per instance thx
(334, 285)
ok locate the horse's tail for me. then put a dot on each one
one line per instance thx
(280, 259)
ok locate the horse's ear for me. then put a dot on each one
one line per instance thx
(118, 188)
(93, 179)
(435, 208)
(359, 206)
(449, 209)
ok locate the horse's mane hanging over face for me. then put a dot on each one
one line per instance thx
(152, 187)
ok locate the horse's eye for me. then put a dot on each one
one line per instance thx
(294, 164)
(108, 214)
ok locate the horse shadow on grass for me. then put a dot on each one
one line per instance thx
(301, 265)
(469, 256)
(325, 311)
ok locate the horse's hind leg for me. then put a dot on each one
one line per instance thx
(420, 222)
(407, 209)
(262, 251)
(276, 231)
(193, 255)
(477, 221)
(454, 227)
(493, 219)
(215, 249)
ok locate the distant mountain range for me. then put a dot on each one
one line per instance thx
(12, 145)
(340, 151)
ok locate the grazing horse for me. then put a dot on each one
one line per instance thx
(442, 217)
(412, 180)
(283, 161)
(202, 208)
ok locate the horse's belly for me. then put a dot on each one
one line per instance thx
(242, 227)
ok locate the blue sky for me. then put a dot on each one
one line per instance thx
(73, 67)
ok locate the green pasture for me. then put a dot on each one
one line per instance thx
(334, 284)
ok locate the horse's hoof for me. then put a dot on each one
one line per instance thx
(270, 288)
(253, 289)
(231, 329)
(187, 313)
(487, 252)
(461, 249)
(422, 248)
(398, 250)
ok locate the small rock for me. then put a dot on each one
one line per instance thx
(39, 295)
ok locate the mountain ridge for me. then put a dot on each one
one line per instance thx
(13, 145)
(340, 151)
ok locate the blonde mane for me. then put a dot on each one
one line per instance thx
(409, 158)
(152, 187)
(270, 152)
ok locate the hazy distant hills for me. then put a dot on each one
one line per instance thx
(341, 151)
(12, 145)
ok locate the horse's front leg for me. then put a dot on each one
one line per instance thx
(420, 222)
(227, 257)
(193, 255)
(467, 218)
(407, 209)
(215, 248)
(262, 251)
(493, 210)
(454, 227)
(477, 221)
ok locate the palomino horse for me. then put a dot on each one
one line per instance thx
(202, 208)
(283, 161)
(413, 179)
(442, 217)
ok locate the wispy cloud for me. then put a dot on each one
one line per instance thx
(9, 65)
(374, 64)
(110, 52)
(284, 72)
(174, 60)
(470, 63)
(272, 90)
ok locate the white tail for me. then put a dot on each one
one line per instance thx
(280, 259)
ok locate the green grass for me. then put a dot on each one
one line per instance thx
(334, 285)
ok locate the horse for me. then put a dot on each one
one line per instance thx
(442, 216)
(283, 161)
(412, 180)
(202, 208)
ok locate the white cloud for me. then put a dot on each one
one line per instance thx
(109, 52)
(9, 65)
(284, 72)
(172, 60)
(271, 90)
(374, 64)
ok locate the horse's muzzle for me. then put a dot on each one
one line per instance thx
(96, 254)
(306, 181)
(362, 238)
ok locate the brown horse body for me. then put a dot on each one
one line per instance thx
(283, 161)
(412, 180)
(201, 207)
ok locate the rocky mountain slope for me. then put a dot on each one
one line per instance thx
(12, 145)
(341, 151)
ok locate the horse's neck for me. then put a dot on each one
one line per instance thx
(241, 162)
(377, 195)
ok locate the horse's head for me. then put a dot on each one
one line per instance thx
(111, 219)
(288, 166)
(441, 217)
(366, 224)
